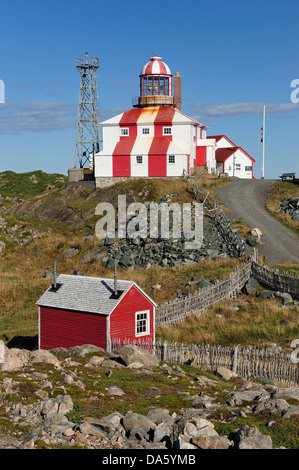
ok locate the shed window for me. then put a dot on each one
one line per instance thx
(238, 166)
(142, 323)
(248, 168)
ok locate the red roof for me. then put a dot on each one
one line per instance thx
(219, 137)
(224, 153)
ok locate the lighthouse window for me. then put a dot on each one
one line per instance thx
(142, 323)
(156, 86)
(150, 86)
(166, 130)
(171, 158)
(138, 158)
(145, 130)
(124, 131)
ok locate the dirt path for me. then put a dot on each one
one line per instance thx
(246, 199)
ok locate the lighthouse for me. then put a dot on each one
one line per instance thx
(155, 139)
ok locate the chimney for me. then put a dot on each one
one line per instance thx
(177, 93)
(54, 276)
(115, 279)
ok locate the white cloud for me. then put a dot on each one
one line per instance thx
(36, 116)
(202, 110)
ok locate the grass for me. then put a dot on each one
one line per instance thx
(24, 186)
(256, 321)
(281, 190)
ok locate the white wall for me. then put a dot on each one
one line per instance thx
(103, 165)
(238, 158)
(223, 142)
(177, 168)
(139, 169)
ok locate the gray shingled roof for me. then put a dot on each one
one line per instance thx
(85, 294)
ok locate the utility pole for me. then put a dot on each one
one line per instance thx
(263, 161)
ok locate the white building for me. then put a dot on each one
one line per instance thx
(155, 139)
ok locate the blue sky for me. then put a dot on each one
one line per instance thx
(233, 57)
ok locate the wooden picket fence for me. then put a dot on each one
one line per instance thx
(246, 361)
(178, 309)
(276, 279)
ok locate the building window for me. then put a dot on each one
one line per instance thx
(248, 168)
(171, 158)
(139, 159)
(145, 130)
(166, 130)
(124, 131)
(238, 167)
(142, 323)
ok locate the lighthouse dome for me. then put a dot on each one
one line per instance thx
(155, 67)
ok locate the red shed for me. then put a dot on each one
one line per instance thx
(78, 310)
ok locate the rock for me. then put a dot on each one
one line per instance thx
(284, 297)
(291, 393)
(253, 241)
(81, 351)
(256, 232)
(114, 390)
(130, 354)
(12, 360)
(160, 415)
(225, 374)
(56, 406)
(249, 437)
(134, 420)
(213, 442)
(42, 355)
(96, 360)
(251, 286)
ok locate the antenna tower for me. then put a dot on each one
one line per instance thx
(87, 139)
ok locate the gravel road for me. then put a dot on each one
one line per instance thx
(246, 199)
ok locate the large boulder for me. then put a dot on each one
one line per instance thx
(42, 355)
(249, 437)
(14, 359)
(131, 354)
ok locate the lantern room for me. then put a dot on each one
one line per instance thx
(155, 84)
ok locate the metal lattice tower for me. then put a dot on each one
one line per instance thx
(87, 140)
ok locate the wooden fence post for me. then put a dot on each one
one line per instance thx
(236, 359)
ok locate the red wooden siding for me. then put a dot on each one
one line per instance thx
(122, 319)
(201, 156)
(157, 165)
(66, 328)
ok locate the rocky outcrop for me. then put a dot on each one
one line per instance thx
(290, 206)
(53, 380)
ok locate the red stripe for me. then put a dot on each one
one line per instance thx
(165, 115)
(157, 156)
(121, 157)
(130, 117)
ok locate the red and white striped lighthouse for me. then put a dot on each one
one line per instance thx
(154, 138)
